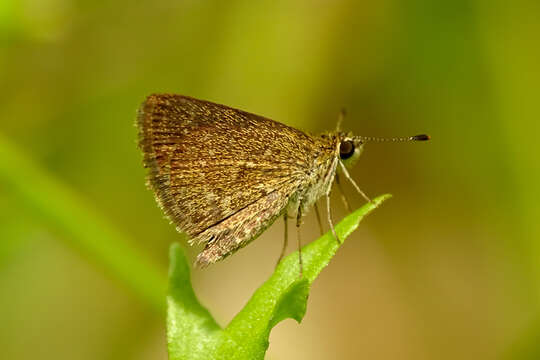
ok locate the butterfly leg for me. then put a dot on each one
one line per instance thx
(342, 193)
(319, 218)
(348, 176)
(285, 240)
(298, 222)
(329, 214)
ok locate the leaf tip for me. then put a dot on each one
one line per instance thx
(380, 199)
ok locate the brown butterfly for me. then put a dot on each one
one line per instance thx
(224, 175)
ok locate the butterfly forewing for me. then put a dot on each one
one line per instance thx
(222, 175)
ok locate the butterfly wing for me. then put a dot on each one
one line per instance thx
(221, 175)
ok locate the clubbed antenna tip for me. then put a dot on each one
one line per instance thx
(421, 137)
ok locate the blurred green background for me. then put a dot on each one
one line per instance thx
(448, 269)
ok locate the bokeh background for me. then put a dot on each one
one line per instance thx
(448, 269)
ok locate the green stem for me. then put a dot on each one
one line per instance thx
(80, 226)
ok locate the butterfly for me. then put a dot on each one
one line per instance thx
(223, 175)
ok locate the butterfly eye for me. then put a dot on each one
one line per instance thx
(346, 149)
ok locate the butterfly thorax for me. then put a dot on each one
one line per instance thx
(320, 176)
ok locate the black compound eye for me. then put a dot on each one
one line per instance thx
(346, 149)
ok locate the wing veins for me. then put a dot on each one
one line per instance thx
(236, 212)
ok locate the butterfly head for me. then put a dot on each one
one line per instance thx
(350, 149)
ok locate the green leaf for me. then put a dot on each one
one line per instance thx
(192, 332)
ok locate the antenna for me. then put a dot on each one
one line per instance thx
(341, 117)
(421, 137)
